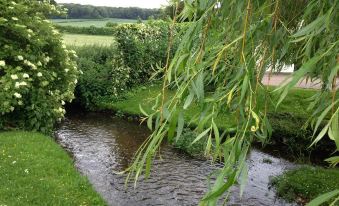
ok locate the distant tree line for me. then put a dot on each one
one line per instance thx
(77, 11)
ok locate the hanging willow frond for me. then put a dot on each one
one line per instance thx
(228, 47)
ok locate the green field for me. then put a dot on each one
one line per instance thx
(91, 22)
(81, 40)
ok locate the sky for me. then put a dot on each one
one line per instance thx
(119, 3)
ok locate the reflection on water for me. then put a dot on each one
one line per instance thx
(102, 144)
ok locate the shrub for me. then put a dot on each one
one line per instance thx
(108, 71)
(104, 75)
(111, 24)
(144, 46)
(37, 72)
(91, 30)
(184, 143)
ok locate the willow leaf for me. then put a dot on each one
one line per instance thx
(180, 127)
(307, 67)
(150, 122)
(243, 178)
(188, 100)
(333, 160)
(201, 135)
(323, 198)
(310, 27)
(215, 194)
(143, 111)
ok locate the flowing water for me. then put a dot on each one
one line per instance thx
(102, 144)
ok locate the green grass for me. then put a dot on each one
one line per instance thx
(91, 22)
(306, 183)
(294, 103)
(34, 170)
(81, 40)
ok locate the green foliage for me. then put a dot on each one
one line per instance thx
(35, 170)
(91, 30)
(289, 133)
(287, 121)
(144, 46)
(105, 75)
(110, 70)
(306, 183)
(78, 11)
(91, 22)
(111, 24)
(184, 143)
(37, 73)
(259, 39)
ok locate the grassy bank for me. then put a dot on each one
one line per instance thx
(287, 120)
(306, 183)
(34, 170)
(294, 103)
(82, 39)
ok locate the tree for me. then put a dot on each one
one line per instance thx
(37, 72)
(96, 12)
(231, 45)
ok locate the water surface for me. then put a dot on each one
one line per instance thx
(102, 144)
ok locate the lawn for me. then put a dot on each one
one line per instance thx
(91, 22)
(35, 170)
(81, 40)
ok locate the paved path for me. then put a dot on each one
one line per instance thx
(277, 79)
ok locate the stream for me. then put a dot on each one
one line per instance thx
(101, 144)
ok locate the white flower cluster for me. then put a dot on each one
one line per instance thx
(20, 58)
(60, 110)
(30, 64)
(17, 95)
(18, 84)
(14, 76)
(2, 63)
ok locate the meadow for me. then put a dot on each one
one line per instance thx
(91, 22)
(81, 40)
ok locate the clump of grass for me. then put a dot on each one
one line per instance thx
(184, 143)
(34, 170)
(267, 161)
(306, 183)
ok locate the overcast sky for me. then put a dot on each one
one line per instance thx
(119, 3)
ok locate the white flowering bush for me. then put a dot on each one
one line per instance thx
(37, 73)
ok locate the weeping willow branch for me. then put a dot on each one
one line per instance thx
(208, 56)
